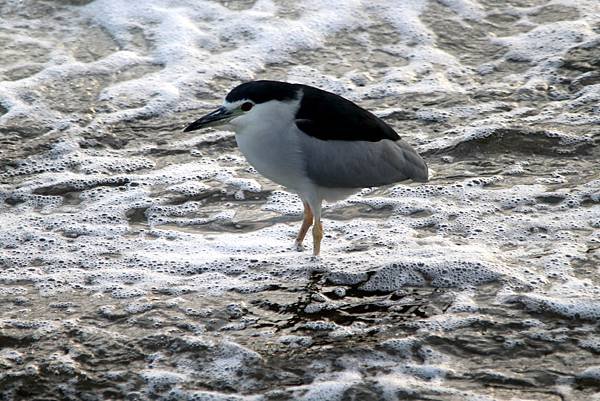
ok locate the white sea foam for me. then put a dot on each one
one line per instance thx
(176, 260)
(124, 223)
(547, 41)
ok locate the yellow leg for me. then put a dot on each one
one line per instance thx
(317, 237)
(306, 223)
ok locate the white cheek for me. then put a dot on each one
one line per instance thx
(237, 122)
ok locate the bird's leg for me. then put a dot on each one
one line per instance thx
(317, 236)
(306, 223)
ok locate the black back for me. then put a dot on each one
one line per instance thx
(323, 115)
(327, 116)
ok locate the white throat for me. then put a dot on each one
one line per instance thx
(268, 138)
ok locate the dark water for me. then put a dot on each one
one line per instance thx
(138, 262)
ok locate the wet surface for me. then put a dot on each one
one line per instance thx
(138, 262)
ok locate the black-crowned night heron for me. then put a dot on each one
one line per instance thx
(317, 144)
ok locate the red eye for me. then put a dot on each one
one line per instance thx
(247, 106)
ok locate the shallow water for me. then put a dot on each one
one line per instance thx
(139, 262)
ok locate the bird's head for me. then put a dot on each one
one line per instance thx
(248, 102)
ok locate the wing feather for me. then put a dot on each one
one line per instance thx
(361, 164)
(327, 116)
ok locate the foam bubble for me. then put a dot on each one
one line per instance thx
(120, 205)
(294, 341)
(546, 41)
(574, 308)
(591, 374)
(330, 388)
(159, 380)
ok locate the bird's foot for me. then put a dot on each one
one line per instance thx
(298, 246)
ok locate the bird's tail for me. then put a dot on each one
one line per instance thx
(414, 166)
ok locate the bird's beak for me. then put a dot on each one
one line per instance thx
(220, 116)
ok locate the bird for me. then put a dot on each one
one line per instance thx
(315, 143)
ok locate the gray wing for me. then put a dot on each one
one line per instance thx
(360, 164)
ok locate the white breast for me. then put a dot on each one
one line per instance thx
(270, 146)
